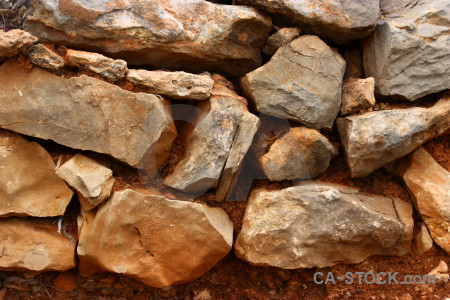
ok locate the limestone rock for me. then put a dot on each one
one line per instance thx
(279, 39)
(92, 181)
(357, 94)
(408, 54)
(28, 183)
(158, 241)
(11, 42)
(302, 153)
(86, 113)
(45, 58)
(301, 82)
(191, 35)
(394, 6)
(377, 138)
(319, 225)
(175, 85)
(423, 241)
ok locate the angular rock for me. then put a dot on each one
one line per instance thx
(377, 138)
(175, 85)
(357, 94)
(158, 241)
(45, 58)
(108, 68)
(279, 39)
(86, 113)
(320, 225)
(301, 82)
(92, 181)
(302, 153)
(423, 241)
(28, 183)
(408, 54)
(13, 41)
(191, 35)
(35, 245)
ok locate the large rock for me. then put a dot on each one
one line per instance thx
(191, 35)
(13, 41)
(375, 139)
(86, 113)
(408, 54)
(150, 238)
(28, 183)
(341, 21)
(301, 82)
(320, 225)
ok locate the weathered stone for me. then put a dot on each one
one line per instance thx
(440, 272)
(158, 241)
(28, 183)
(341, 21)
(423, 241)
(191, 35)
(353, 61)
(377, 138)
(36, 245)
(393, 6)
(279, 39)
(45, 58)
(302, 153)
(357, 94)
(92, 181)
(13, 41)
(301, 82)
(176, 85)
(408, 54)
(86, 113)
(320, 225)
(108, 68)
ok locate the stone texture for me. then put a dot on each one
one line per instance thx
(440, 272)
(108, 68)
(279, 39)
(394, 6)
(91, 180)
(158, 241)
(175, 85)
(340, 21)
(375, 139)
(35, 245)
(13, 41)
(354, 61)
(301, 82)
(357, 94)
(423, 241)
(28, 183)
(86, 113)
(191, 35)
(408, 55)
(45, 58)
(319, 225)
(302, 153)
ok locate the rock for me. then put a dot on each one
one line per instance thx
(320, 225)
(423, 241)
(65, 281)
(155, 240)
(440, 272)
(35, 245)
(377, 138)
(339, 21)
(354, 62)
(175, 85)
(45, 58)
(408, 55)
(108, 68)
(13, 41)
(357, 94)
(279, 39)
(394, 6)
(302, 153)
(191, 35)
(89, 114)
(301, 82)
(28, 183)
(92, 181)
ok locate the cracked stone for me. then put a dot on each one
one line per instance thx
(13, 41)
(45, 58)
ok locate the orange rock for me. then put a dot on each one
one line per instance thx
(65, 281)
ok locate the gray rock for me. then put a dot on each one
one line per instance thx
(394, 6)
(279, 39)
(45, 58)
(357, 95)
(13, 41)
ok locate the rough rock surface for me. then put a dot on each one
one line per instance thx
(35, 245)
(301, 82)
(440, 272)
(302, 153)
(423, 241)
(45, 58)
(375, 139)
(408, 55)
(354, 62)
(158, 241)
(28, 183)
(176, 85)
(86, 113)
(92, 180)
(13, 41)
(357, 94)
(320, 225)
(279, 39)
(193, 35)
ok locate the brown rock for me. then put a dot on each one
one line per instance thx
(13, 41)
(440, 272)
(279, 39)
(357, 94)
(45, 58)
(423, 240)
(65, 281)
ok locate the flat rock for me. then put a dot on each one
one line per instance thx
(377, 138)
(44, 57)
(193, 35)
(301, 82)
(28, 183)
(357, 95)
(175, 85)
(279, 39)
(13, 41)
(88, 114)
(320, 225)
(408, 54)
(155, 240)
